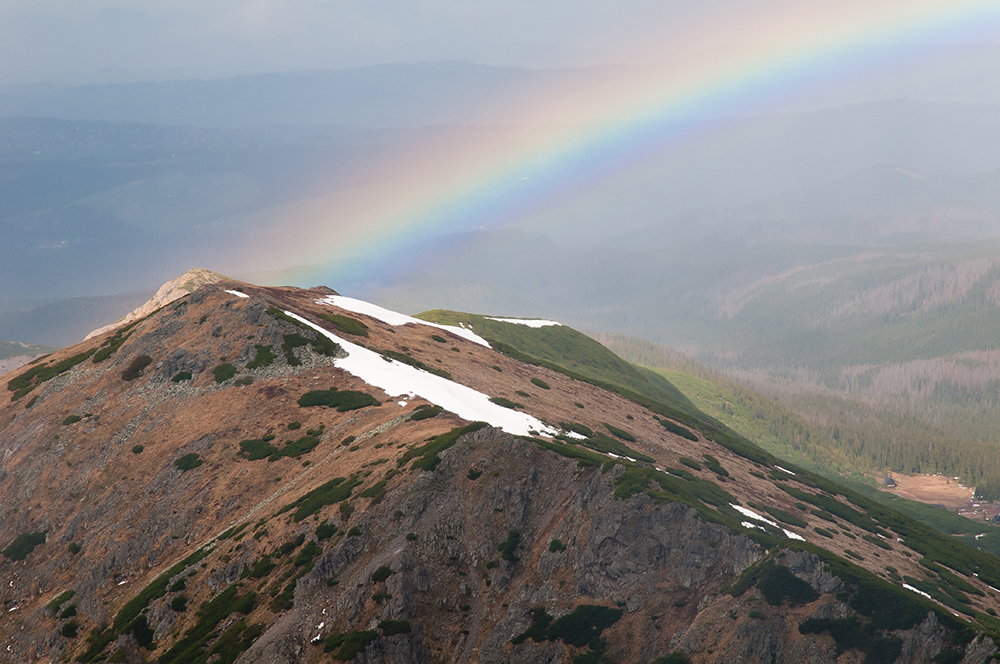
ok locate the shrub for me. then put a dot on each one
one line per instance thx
(506, 403)
(713, 464)
(72, 419)
(188, 462)
(425, 412)
(675, 657)
(497, 368)
(474, 474)
(346, 324)
(690, 463)
(393, 627)
(350, 644)
(61, 599)
(555, 546)
(332, 492)
(439, 339)
(179, 585)
(325, 530)
(540, 383)
(678, 429)
(414, 362)
(382, 573)
(342, 400)
(70, 629)
(428, 453)
(354, 532)
(509, 546)
(244, 381)
(23, 545)
(264, 358)
(75, 548)
(411, 537)
(778, 584)
(224, 372)
(179, 604)
(36, 375)
(376, 492)
(68, 612)
(137, 449)
(135, 369)
(620, 433)
(181, 376)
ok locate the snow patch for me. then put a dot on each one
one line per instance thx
(918, 591)
(749, 524)
(530, 322)
(790, 535)
(397, 379)
(784, 470)
(403, 404)
(394, 318)
(753, 515)
(236, 293)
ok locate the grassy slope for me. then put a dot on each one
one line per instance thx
(571, 350)
(725, 405)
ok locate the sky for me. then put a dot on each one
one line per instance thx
(83, 41)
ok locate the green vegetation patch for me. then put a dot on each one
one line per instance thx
(224, 372)
(346, 324)
(61, 599)
(508, 547)
(24, 544)
(72, 419)
(585, 458)
(690, 463)
(347, 646)
(39, 374)
(342, 400)
(414, 362)
(581, 627)
(235, 641)
(382, 574)
(394, 627)
(620, 433)
(425, 412)
(427, 454)
(713, 464)
(136, 367)
(188, 462)
(330, 493)
(506, 403)
(376, 492)
(540, 383)
(702, 495)
(260, 448)
(851, 634)
(181, 376)
(325, 531)
(192, 648)
(264, 357)
(581, 429)
(677, 429)
(604, 443)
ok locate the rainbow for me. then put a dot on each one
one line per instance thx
(603, 124)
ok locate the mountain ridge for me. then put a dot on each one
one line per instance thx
(176, 472)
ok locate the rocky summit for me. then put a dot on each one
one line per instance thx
(275, 475)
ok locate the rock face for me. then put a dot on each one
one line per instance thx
(168, 493)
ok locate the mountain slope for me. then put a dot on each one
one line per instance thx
(233, 451)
